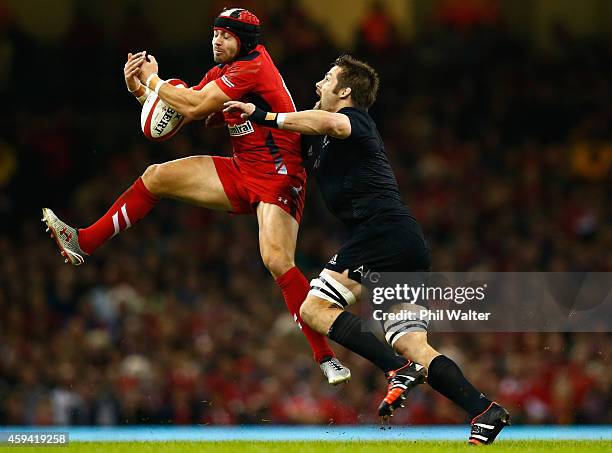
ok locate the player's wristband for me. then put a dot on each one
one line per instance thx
(268, 119)
(138, 88)
(144, 96)
(158, 86)
(154, 83)
(148, 81)
(140, 91)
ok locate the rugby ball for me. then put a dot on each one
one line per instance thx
(158, 120)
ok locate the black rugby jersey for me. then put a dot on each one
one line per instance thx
(353, 174)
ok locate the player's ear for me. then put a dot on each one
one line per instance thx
(345, 92)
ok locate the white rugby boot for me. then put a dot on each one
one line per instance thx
(334, 371)
(65, 236)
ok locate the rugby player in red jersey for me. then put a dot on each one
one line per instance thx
(264, 177)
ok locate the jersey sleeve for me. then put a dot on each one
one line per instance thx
(240, 79)
(361, 128)
(210, 75)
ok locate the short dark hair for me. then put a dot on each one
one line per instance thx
(360, 77)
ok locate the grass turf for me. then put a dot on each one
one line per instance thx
(327, 447)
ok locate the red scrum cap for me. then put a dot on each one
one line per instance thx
(241, 23)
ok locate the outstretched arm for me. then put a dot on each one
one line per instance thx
(307, 122)
(193, 104)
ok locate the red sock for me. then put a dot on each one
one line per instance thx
(295, 288)
(130, 207)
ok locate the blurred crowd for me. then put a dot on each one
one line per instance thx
(503, 151)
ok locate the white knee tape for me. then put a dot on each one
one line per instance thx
(328, 288)
(394, 330)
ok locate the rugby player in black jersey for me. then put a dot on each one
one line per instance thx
(360, 189)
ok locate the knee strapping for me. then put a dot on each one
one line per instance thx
(415, 320)
(328, 288)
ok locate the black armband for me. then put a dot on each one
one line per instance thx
(264, 118)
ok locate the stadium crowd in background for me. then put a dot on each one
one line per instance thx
(503, 152)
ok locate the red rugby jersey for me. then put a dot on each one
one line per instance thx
(254, 78)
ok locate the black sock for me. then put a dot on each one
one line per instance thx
(446, 377)
(349, 331)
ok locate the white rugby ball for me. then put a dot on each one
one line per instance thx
(158, 120)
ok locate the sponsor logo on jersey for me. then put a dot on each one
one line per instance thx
(295, 191)
(325, 142)
(237, 130)
(333, 259)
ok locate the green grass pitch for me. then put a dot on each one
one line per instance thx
(327, 447)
